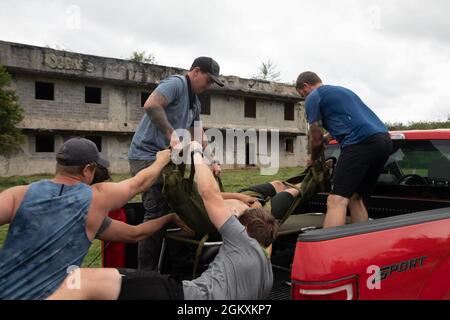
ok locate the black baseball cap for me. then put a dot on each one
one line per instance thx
(210, 66)
(80, 152)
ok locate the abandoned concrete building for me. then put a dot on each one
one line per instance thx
(66, 94)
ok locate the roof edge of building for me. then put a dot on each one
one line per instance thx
(25, 58)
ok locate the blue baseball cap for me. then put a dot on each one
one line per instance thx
(80, 152)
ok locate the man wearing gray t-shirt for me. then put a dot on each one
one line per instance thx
(241, 270)
(172, 106)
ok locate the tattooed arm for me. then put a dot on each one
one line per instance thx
(154, 107)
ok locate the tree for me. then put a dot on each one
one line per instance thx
(418, 126)
(60, 47)
(143, 57)
(268, 71)
(10, 114)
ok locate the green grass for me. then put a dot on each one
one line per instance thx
(10, 182)
(233, 180)
(3, 232)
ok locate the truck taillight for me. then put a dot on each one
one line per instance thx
(346, 289)
(113, 254)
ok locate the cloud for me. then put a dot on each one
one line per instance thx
(416, 19)
(395, 54)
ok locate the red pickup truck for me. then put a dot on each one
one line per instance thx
(402, 253)
(397, 255)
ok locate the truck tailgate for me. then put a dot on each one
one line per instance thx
(406, 251)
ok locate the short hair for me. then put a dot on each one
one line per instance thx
(308, 77)
(102, 174)
(69, 170)
(72, 170)
(261, 225)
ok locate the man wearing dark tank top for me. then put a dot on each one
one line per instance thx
(53, 222)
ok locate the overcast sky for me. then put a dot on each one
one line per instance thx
(394, 53)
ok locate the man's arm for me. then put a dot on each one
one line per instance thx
(10, 200)
(209, 190)
(314, 116)
(113, 196)
(316, 140)
(6, 206)
(154, 107)
(215, 164)
(167, 92)
(248, 200)
(121, 232)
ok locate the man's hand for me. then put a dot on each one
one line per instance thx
(163, 157)
(328, 137)
(175, 142)
(248, 200)
(316, 140)
(216, 169)
(309, 162)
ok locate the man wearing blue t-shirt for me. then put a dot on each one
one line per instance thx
(172, 106)
(365, 145)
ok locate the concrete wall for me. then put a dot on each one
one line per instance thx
(228, 111)
(29, 162)
(120, 109)
(119, 114)
(115, 149)
(68, 103)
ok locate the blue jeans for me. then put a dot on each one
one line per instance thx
(155, 207)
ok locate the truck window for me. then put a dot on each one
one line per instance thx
(413, 163)
(419, 163)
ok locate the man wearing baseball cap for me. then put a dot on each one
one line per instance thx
(173, 105)
(80, 152)
(53, 222)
